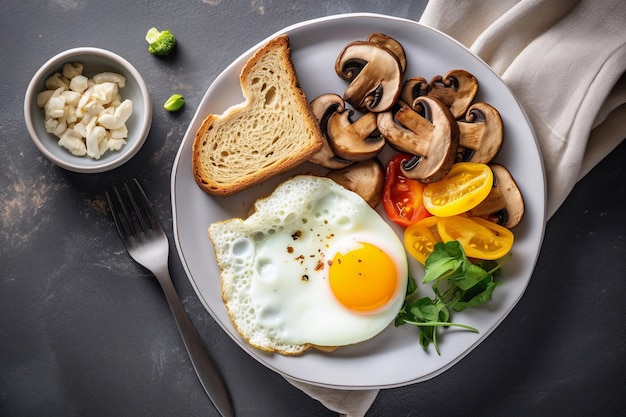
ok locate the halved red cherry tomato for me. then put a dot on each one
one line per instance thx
(402, 196)
(420, 238)
(479, 238)
(465, 186)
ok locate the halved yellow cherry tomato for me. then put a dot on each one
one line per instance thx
(479, 238)
(465, 186)
(420, 238)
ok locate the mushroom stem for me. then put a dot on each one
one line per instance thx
(432, 136)
(323, 108)
(366, 178)
(482, 132)
(392, 45)
(413, 88)
(493, 203)
(456, 89)
(419, 125)
(504, 204)
(364, 125)
(375, 75)
(354, 141)
(470, 135)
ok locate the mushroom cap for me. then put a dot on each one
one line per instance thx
(326, 103)
(413, 88)
(433, 137)
(482, 133)
(366, 178)
(456, 89)
(375, 76)
(391, 44)
(322, 107)
(505, 204)
(354, 141)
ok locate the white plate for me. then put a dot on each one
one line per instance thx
(393, 358)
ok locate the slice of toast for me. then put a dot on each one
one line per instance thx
(272, 131)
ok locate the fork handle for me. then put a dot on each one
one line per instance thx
(205, 368)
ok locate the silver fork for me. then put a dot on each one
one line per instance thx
(146, 242)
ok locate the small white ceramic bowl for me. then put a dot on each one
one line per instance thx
(94, 61)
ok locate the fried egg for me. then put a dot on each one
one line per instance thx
(313, 265)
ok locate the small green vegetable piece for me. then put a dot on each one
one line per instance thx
(463, 284)
(174, 103)
(161, 43)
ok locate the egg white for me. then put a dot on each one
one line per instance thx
(274, 266)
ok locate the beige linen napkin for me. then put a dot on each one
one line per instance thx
(565, 62)
(346, 403)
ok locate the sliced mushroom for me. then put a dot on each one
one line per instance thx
(326, 103)
(354, 141)
(505, 204)
(456, 89)
(390, 43)
(375, 76)
(413, 88)
(432, 137)
(323, 107)
(366, 178)
(481, 133)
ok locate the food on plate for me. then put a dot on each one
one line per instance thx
(88, 115)
(272, 131)
(322, 107)
(402, 196)
(466, 185)
(313, 266)
(375, 69)
(456, 89)
(421, 237)
(480, 134)
(440, 187)
(504, 204)
(437, 122)
(174, 103)
(480, 239)
(392, 45)
(457, 284)
(432, 136)
(481, 131)
(413, 88)
(366, 178)
(345, 141)
(160, 42)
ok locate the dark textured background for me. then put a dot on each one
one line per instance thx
(84, 331)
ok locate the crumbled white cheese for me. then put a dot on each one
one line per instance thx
(87, 115)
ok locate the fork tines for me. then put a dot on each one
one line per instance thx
(131, 210)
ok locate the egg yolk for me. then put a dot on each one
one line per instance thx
(363, 279)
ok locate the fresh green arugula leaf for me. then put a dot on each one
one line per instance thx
(457, 284)
(476, 296)
(444, 261)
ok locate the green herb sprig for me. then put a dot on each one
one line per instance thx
(457, 283)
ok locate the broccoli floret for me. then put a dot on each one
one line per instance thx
(161, 43)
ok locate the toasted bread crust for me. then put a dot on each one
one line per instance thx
(271, 132)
